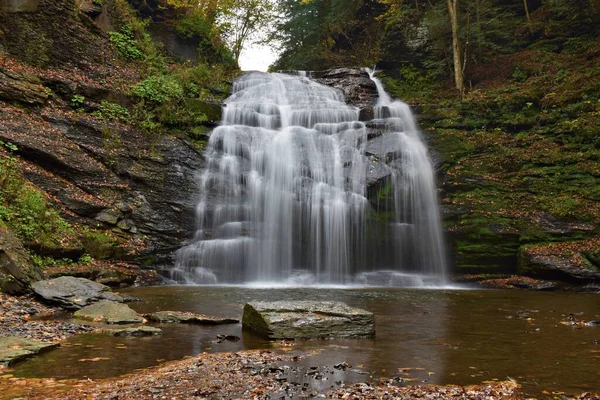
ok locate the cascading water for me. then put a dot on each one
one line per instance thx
(285, 192)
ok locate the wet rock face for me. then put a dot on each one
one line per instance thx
(51, 33)
(17, 270)
(307, 320)
(121, 178)
(73, 293)
(359, 90)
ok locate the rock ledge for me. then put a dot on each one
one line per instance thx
(307, 320)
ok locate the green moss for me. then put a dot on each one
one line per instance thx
(32, 44)
(99, 245)
(27, 212)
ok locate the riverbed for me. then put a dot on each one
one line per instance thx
(422, 335)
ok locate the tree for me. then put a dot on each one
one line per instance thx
(242, 20)
(456, 53)
(317, 34)
(529, 26)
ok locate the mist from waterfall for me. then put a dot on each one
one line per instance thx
(287, 194)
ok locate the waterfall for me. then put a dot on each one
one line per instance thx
(286, 193)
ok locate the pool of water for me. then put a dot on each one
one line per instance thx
(433, 336)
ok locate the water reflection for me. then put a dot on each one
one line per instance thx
(432, 336)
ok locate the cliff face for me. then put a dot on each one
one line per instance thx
(129, 194)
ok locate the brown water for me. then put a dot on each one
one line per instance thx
(459, 336)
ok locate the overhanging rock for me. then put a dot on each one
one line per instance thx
(307, 320)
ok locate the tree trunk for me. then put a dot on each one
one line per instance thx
(458, 69)
(529, 26)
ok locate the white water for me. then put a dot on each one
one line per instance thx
(284, 193)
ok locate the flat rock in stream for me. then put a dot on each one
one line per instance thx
(178, 317)
(135, 331)
(110, 313)
(307, 320)
(73, 293)
(14, 349)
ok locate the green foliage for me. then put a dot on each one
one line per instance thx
(24, 209)
(9, 146)
(194, 24)
(77, 101)
(85, 259)
(158, 89)
(410, 83)
(125, 44)
(318, 34)
(112, 112)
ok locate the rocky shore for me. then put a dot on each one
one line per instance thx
(240, 375)
(24, 317)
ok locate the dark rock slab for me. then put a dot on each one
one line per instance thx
(110, 313)
(188, 318)
(17, 270)
(14, 349)
(377, 172)
(135, 331)
(555, 267)
(359, 90)
(307, 320)
(386, 147)
(74, 293)
(16, 86)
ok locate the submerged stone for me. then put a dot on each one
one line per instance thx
(307, 320)
(188, 318)
(110, 313)
(14, 349)
(135, 331)
(73, 293)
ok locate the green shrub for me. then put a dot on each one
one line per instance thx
(193, 24)
(112, 112)
(125, 44)
(77, 101)
(158, 89)
(24, 209)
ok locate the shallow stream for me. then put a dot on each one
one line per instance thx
(423, 335)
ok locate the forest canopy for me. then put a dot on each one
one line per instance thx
(409, 35)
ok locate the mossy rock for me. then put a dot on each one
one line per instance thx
(17, 270)
(110, 313)
(14, 349)
(212, 111)
(307, 320)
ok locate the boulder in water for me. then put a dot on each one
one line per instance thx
(188, 318)
(135, 331)
(307, 320)
(110, 313)
(14, 349)
(73, 293)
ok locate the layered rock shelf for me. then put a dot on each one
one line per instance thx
(307, 320)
